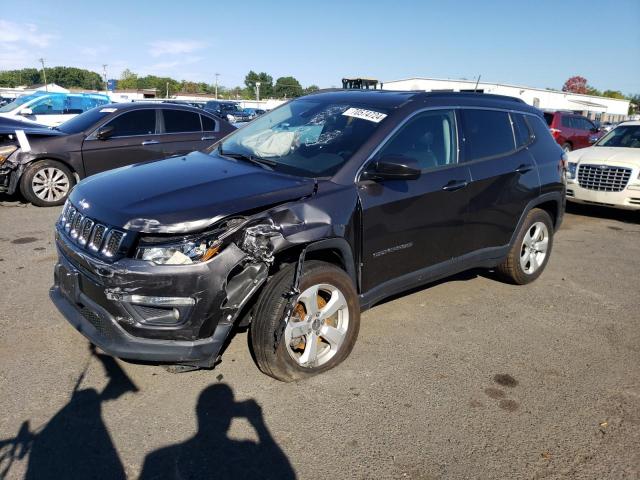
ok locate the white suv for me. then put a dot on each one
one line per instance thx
(52, 109)
(608, 173)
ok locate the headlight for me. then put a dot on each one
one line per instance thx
(6, 151)
(231, 118)
(571, 170)
(184, 252)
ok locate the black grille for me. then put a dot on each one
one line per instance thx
(89, 234)
(603, 178)
(104, 329)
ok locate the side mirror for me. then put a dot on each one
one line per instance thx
(25, 112)
(104, 133)
(392, 167)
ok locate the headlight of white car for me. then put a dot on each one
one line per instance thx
(571, 170)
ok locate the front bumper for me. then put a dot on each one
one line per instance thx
(89, 293)
(627, 199)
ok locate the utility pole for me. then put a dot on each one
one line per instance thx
(258, 91)
(44, 74)
(217, 75)
(104, 75)
(167, 90)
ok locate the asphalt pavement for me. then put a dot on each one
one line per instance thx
(466, 378)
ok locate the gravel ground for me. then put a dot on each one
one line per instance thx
(467, 378)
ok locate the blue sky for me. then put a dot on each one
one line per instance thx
(534, 43)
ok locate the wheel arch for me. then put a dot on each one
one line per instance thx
(551, 202)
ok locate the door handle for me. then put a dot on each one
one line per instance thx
(524, 168)
(208, 138)
(454, 185)
(150, 142)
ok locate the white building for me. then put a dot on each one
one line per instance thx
(603, 109)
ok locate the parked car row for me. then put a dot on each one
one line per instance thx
(53, 159)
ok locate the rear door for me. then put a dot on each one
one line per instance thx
(182, 132)
(503, 174)
(134, 140)
(412, 224)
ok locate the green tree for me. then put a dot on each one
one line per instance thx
(613, 94)
(287, 87)
(266, 84)
(128, 80)
(311, 89)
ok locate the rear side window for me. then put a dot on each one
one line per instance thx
(567, 122)
(179, 121)
(521, 130)
(138, 122)
(208, 124)
(487, 133)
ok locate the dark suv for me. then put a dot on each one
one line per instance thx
(296, 223)
(572, 131)
(230, 111)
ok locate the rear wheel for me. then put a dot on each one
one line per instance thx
(322, 329)
(530, 252)
(46, 183)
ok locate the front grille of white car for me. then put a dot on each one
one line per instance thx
(603, 178)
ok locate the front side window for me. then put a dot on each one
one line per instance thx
(138, 122)
(625, 136)
(429, 138)
(487, 133)
(311, 137)
(180, 121)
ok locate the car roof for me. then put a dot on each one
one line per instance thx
(389, 99)
(630, 122)
(134, 105)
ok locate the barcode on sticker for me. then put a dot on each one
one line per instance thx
(375, 117)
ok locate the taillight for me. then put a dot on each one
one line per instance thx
(555, 132)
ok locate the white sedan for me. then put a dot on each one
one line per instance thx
(608, 173)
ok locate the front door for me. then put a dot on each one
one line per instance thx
(412, 224)
(133, 140)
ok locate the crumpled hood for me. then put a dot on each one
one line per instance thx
(183, 194)
(628, 157)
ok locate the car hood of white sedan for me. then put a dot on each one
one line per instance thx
(607, 156)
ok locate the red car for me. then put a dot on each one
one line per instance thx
(572, 131)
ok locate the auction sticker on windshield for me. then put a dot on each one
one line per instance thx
(375, 117)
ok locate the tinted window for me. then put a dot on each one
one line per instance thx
(138, 122)
(549, 118)
(521, 129)
(567, 122)
(208, 124)
(487, 133)
(53, 105)
(429, 138)
(176, 121)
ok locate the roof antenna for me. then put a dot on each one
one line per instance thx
(477, 82)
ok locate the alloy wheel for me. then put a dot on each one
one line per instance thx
(50, 184)
(534, 247)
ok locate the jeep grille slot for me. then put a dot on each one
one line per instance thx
(89, 234)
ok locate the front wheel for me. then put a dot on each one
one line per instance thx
(322, 329)
(46, 183)
(530, 252)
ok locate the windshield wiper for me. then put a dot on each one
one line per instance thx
(263, 162)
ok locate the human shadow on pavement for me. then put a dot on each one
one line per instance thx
(75, 443)
(211, 454)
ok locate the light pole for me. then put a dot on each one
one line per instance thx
(217, 75)
(258, 91)
(104, 74)
(44, 74)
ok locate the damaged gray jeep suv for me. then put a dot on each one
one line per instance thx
(298, 222)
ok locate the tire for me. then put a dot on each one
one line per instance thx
(46, 183)
(531, 250)
(288, 362)
(567, 147)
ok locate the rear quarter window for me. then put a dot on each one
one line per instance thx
(208, 123)
(521, 130)
(548, 117)
(487, 133)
